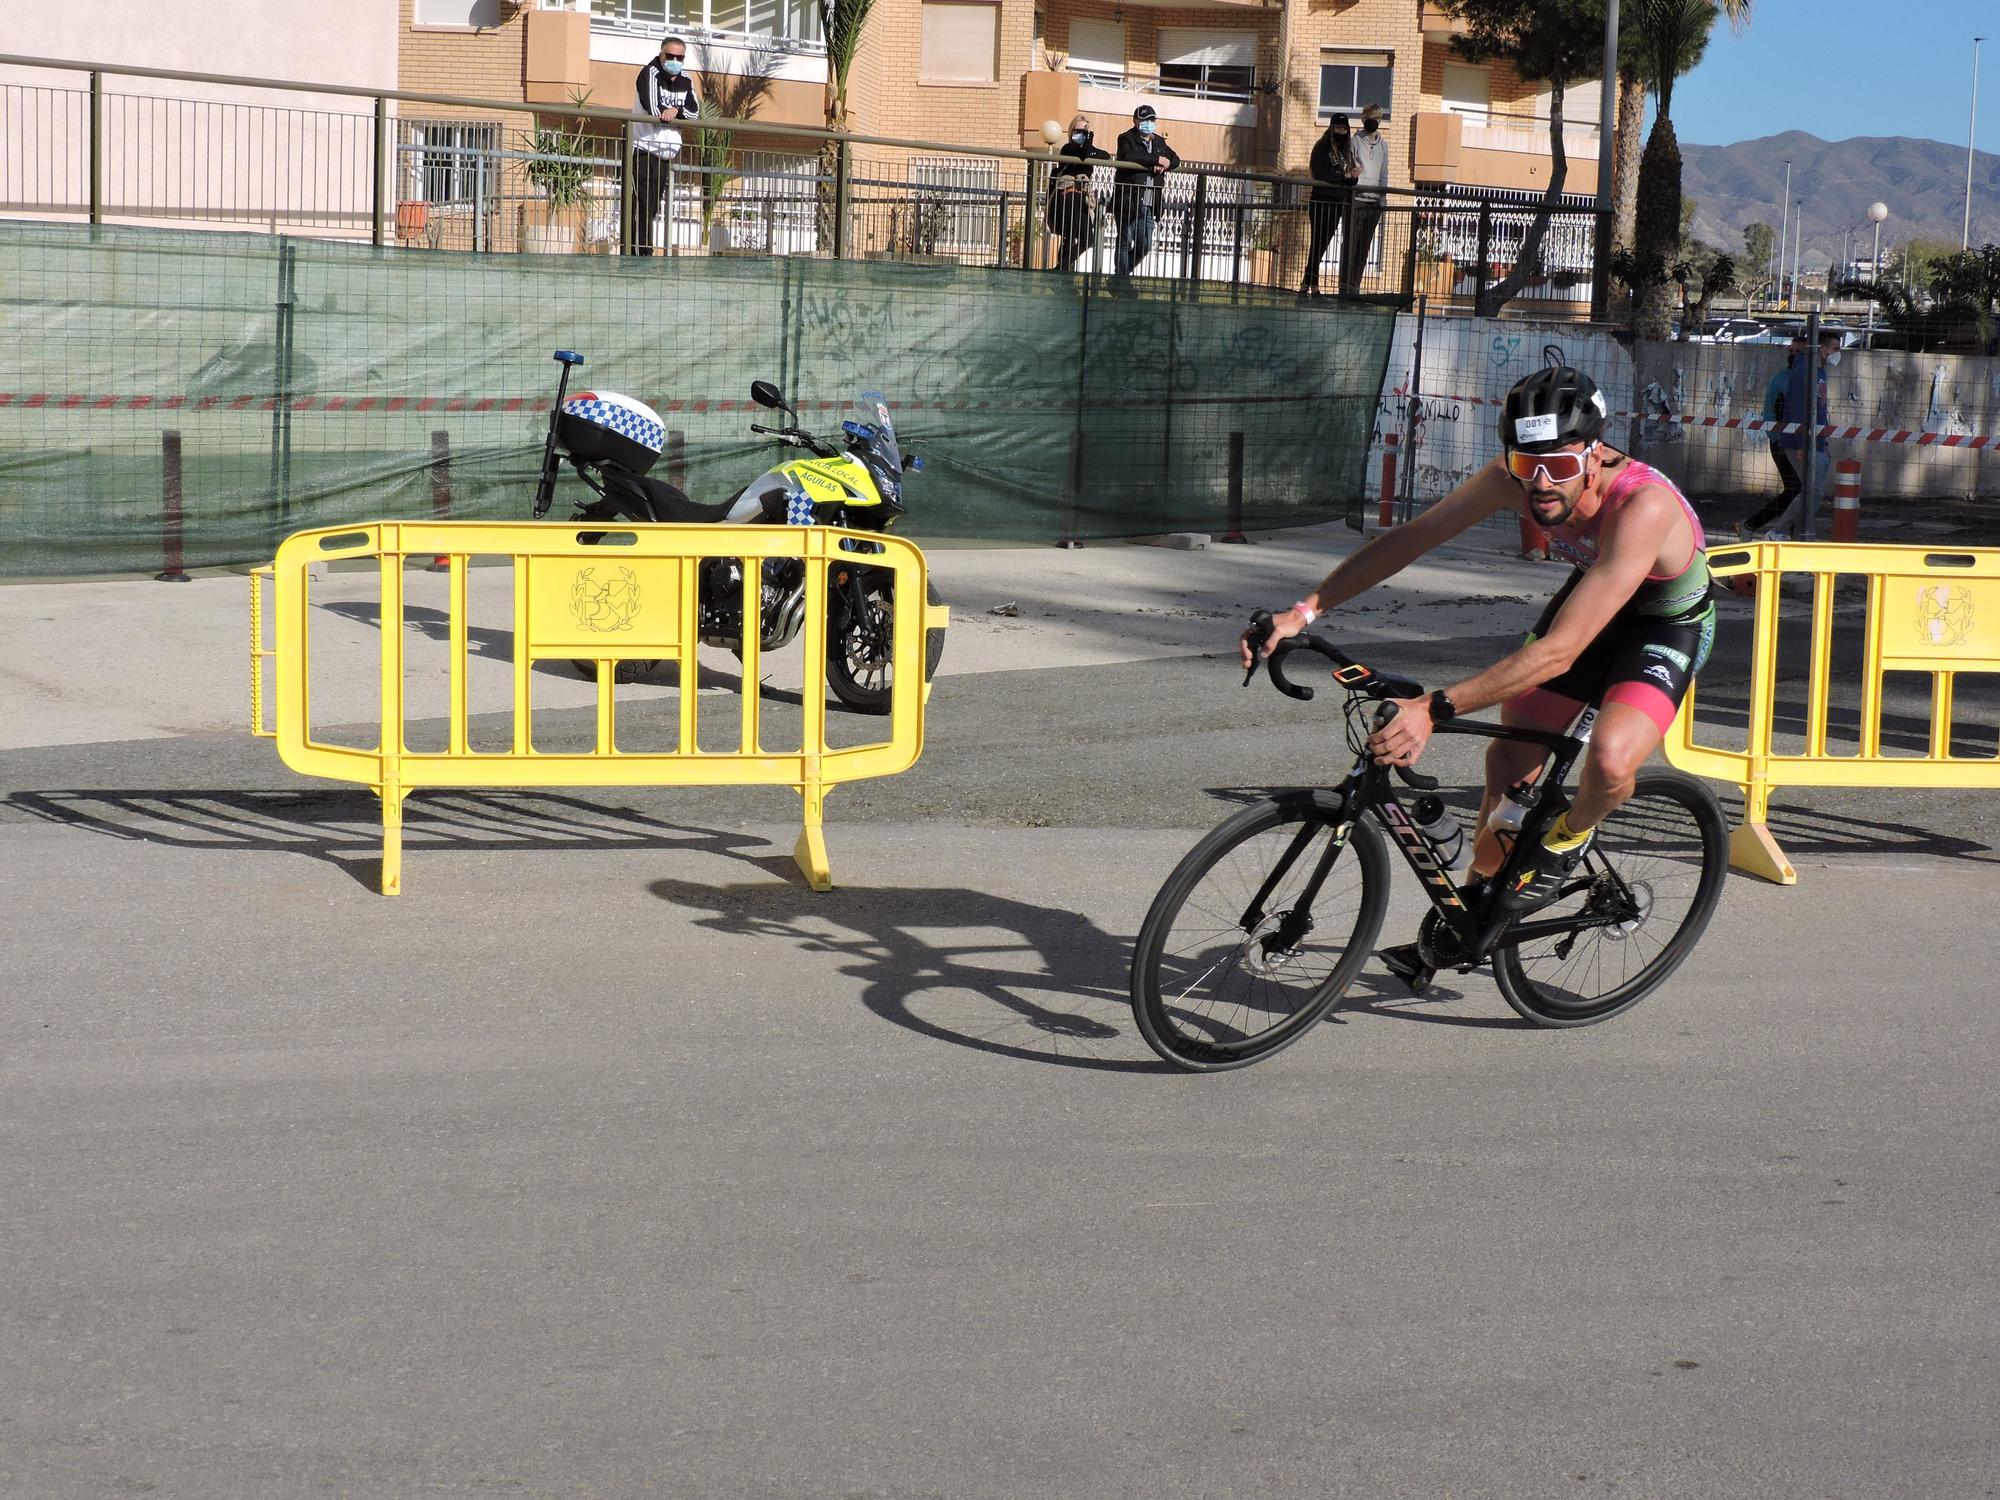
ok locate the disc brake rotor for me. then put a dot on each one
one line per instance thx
(1264, 953)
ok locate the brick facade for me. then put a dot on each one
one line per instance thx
(887, 94)
(485, 63)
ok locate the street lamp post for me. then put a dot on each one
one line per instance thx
(1971, 129)
(1798, 233)
(1784, 227)
(1878, 212)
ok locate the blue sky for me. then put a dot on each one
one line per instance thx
(1840, 68)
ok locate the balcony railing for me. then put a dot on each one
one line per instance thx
(1498, 130)
(476, 182)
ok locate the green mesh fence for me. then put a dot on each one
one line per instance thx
(230, 389)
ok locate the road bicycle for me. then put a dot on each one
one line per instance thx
(1264, 925)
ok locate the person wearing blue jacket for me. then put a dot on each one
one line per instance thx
(1788, 476)
(1796, 509)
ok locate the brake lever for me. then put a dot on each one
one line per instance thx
(1410, 776)
(1261, 625)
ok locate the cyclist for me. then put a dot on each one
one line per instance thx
(1626, 632)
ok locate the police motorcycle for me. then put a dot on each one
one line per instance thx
(611, 441)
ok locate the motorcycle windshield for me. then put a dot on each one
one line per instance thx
(873, 409)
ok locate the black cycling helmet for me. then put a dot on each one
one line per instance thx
(1551, 408)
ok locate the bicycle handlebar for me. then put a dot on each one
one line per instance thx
(1260, 631)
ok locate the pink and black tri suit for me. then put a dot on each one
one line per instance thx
(1649, 653)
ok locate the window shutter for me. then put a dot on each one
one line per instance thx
(1097, 47)
(961, 41)
(1199, 46)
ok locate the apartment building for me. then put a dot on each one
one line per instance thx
(1235, 82)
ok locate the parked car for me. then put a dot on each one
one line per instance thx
(1782, 333)
(1728, 330)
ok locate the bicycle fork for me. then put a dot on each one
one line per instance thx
(1272, 948)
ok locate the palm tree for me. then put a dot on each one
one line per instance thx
(1625, 151)
(1668, 38)
(841, 23)
(731, 96)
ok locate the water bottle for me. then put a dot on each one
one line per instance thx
(1436, 823)
(1512, 810)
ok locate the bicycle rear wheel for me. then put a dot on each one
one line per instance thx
(1257, 932)
(1659, 860)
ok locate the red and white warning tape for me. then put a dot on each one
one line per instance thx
(74, 401)
(1919, 438)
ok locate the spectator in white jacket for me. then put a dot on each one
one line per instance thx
(1371, 152)
(666, 95)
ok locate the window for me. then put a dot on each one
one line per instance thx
(449, 161)
(954, 205)
(1097, 51)
(1207, 64)
(1467, 92)
(786, 20)
(458, 13)
(1348, 80)
(961, 42)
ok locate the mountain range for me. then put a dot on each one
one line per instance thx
(1922, 182)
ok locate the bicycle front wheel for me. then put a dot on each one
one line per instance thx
(1257, 932)
(1656, 870)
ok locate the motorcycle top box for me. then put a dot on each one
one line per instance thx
(603, 427)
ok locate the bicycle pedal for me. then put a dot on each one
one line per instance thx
(1406, 962)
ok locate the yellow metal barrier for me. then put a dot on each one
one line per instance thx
(1927, 610)
(634, 594)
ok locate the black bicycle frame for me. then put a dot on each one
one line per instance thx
(1369, 791)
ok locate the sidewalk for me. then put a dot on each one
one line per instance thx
(98, 661)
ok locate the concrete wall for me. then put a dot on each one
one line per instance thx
(1941, 393)
(352, 42)
(194, 153)
(1468, 362)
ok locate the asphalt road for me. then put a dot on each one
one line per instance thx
(609, 1161)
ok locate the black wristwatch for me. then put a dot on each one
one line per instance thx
(1443, 710)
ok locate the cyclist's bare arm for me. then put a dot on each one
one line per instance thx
(1384, 556)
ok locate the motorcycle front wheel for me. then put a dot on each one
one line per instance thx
(860, 651)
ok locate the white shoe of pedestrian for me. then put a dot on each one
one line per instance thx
(1774, 536)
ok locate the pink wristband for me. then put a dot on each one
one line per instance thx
(1307, 610)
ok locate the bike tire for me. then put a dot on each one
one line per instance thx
(1215, 886)
(1669, 844)
(858, 678)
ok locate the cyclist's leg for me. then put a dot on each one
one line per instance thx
(1550, 706)
(1623, 738)
(1651, 671)
(1509, 761)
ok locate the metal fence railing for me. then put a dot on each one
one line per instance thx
(442, 172)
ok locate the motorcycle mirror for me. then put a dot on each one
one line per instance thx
(569, 356)
(766, 394)
(912, 464)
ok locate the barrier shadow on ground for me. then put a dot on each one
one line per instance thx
(343, 828)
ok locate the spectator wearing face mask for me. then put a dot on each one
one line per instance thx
(1144, 158)
(666, 95)
(1371, 154)
(1334, 170)
(1072, 211)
